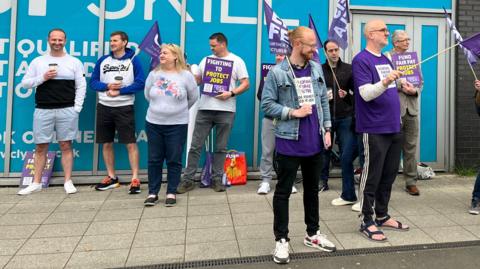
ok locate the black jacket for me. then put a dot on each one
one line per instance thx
(344, 107)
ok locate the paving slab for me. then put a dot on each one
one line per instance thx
(70, 217)
(35, 261)
(49, 245)
(22, 219)
(61, 230)
(105, 242)
(10, 246)
(212, 250)
(98, 259)
(17, 231)
(156, 255)
(162, 224)
(112, 227)
(159, 238)
(213, 234)
(209, 221)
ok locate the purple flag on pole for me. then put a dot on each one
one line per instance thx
(458, 39)
(277, 32)
(311, 25)
(338, 29)
(473, 44)
(151, 45)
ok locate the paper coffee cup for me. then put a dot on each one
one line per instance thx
(53, 66)
(118, 79)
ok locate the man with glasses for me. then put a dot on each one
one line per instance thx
(377, 110)
(295, 96)
(409, 114)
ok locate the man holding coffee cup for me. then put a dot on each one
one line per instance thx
(117, 77)
(60, 85)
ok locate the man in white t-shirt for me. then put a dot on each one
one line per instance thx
(215, 111)
(59, 82)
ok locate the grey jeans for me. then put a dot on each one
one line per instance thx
(205, 121)
(268, 146)
(409, 148)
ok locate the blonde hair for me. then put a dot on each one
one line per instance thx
(180, 63)
(297, 33)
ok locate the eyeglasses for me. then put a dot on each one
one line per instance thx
(403, 40)
(313, 46)
(384, 30)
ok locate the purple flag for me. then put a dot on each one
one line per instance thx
(473, 44)
(338, 28)
(151, 45)
(277, 32)
(311, 25)
(458, 39)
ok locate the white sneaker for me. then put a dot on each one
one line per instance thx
(356, 207)
(69, 188)
(339, 202)
(319, 241)
(294, 189)
(281, 253)
(264, 188)
(34, 187)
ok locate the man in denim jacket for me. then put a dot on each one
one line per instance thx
(294, 95)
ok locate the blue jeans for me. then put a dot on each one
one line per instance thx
(165, 143)
(348, 152)
(476, 188)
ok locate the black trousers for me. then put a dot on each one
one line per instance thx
(382, 158)
(286, 168)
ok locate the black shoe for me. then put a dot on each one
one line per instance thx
(324, 187)
(475, 207)
(107, 183)
(185, 186)
(218, 186)
(151, 200)
(135, 186)
(169, 202)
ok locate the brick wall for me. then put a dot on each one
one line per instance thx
(467, 129)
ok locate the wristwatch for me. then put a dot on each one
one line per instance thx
(233, 94)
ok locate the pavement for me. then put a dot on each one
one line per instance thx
(92, 229)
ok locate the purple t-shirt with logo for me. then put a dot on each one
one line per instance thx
(382, 114)
(309, 140)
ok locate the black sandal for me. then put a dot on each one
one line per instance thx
(381, 224)
(369, 234)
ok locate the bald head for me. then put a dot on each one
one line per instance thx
(373, 25)
(376, 33)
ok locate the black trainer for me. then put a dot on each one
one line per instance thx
(169, 202)
(107, 183)
(135, 186)
(151, 200)
(185, 186)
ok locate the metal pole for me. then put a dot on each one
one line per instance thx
(258, 72)
(101, 42)
(183, 20)
(10, 87)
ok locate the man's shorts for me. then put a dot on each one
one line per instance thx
(47, 122)
(111, 119)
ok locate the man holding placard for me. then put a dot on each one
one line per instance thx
(59, 82)
(403, 60)
(377, 111)
(224, 75)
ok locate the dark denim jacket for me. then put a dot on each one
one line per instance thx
(279, 96)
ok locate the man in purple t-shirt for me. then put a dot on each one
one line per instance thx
(294, 95)
(377, 113)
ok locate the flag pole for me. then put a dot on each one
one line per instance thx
(431, 57)
(473, 71)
